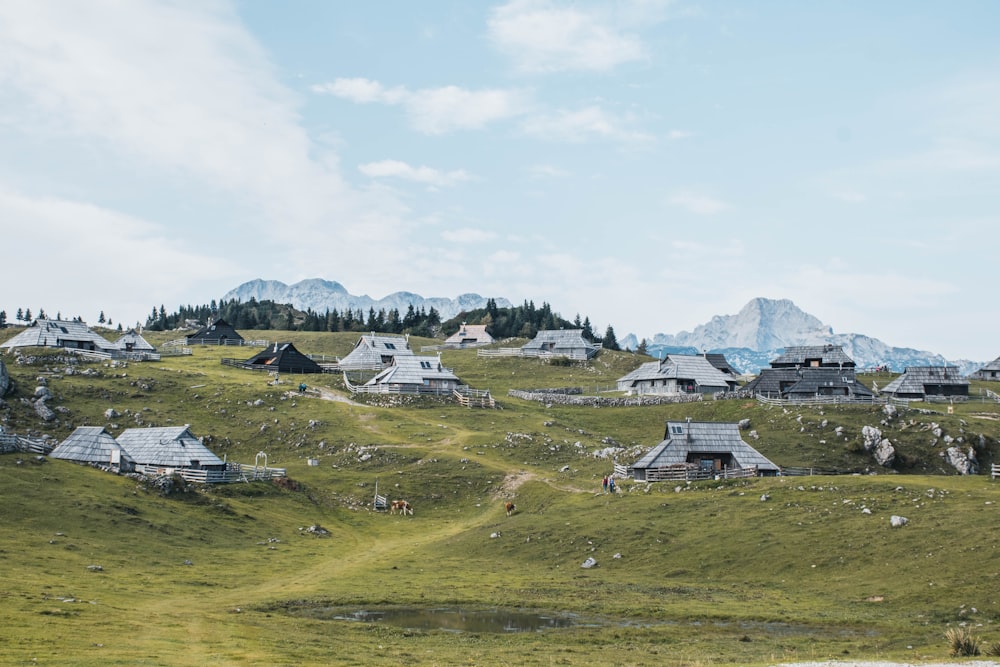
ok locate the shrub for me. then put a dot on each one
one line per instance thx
(962, 641)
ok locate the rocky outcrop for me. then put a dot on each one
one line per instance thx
(6, 384)
(963, 461)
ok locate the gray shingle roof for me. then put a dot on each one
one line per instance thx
(135, 340)
(413, 370)
(470, 333)
(828, 381)
(167, 446)
(915, 380)
(89, 444)
(561, 341)
(370, 349)
(684, 438)
(681, 367)
(58, 333)
(805, 355)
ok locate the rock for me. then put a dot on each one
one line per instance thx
(111, 413)
(885, 453)
(865, 510)
(318, 530)
(95, 568)
(42, 393)
(839, 430)
(564, 469)
(589, 563)
(744, 424)
(495, 535)
(44, 411)
(764, 497)
(617, 556)
(963, 461)
(6, 384)
(871, 437)
(898, 521)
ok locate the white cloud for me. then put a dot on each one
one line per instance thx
(468, 235)
(103, 256)
(675, 135)
(546, 171)
(435, 110)
(698, 203)
(583, 125)
(541, 36)
(422, 174)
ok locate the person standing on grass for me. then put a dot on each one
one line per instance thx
(611, 485)
(604, 485)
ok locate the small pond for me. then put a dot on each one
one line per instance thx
(455, 620)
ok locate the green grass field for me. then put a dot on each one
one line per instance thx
(99, 570)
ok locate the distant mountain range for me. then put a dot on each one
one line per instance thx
(762, 329)
(322, 295)
(750, 339)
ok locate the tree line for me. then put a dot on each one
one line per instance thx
(523, 321)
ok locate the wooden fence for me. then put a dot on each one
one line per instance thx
(474, 398)
(578, 355)
(995, 471)
(234, 472)
(832, 400)
(689, 473)
(10, 442)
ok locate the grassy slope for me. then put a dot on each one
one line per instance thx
(710, 574)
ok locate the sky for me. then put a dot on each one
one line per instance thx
(646, 164)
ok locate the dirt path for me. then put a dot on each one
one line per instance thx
(326, 395)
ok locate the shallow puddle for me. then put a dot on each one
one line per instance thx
(455, 620)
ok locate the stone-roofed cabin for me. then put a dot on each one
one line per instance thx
(132, 341)
(60, 333)
(677, 374)
(375, 352)
(989, 372)
(413, 374)
(928, 383)
(813, 356)
(808, 382)
(168, 447)
(709, 448)
(469, 335)
(93, 445)
(568, 343)
(218, 332)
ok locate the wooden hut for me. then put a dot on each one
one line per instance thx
(413, 374)
(709, 448)
(808, 382)
(132, 341)
(813, 356)
(677, 374)
(469, 335)
(94, 445)
(168, 447)
(375, 352)
(568, 343)
(74, 335)
(989, 372)
(283, 358)
(928, 382)
(218, 332)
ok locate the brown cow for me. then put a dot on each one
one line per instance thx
(510, 507)
(401, 506)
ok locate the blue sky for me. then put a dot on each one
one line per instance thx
(649, 164)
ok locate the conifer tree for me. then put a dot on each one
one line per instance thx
(610, 342)
(27, 314)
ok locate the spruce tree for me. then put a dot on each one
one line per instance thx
(610, 342)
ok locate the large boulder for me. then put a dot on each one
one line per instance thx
(5, 382)
(963, 461)
(885, 453)
(872, 437)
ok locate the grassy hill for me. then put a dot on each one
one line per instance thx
(100, 569)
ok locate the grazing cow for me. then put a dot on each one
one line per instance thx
(401, 506)
(510, 507)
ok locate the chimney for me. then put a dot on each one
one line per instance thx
(687, 431)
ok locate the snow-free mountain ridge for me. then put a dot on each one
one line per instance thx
(322, 295)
